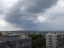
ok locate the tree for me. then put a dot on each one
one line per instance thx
(38, 41)
(0, 33)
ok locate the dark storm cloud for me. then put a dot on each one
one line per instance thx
(24, 12)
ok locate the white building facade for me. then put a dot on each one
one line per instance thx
(54, 40)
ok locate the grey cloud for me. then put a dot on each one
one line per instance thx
(1, 12)
(56, 15)
(55, 12)
(23, 10)
(55, 25)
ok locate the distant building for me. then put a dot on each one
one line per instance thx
(4, 33)
(15, 41)
(54, 40)
(32, 33)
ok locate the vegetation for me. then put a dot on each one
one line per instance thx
(63, 40)
(0, 33)
(38, 41)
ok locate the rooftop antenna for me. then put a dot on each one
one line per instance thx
(52, 26)
(6, 17)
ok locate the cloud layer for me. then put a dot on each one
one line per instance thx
(28, 14)
(43, 15)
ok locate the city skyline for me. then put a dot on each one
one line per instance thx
(42, 15)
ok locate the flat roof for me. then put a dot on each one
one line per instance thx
(8, 35)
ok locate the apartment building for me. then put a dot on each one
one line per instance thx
(15, 41)
(54, 40)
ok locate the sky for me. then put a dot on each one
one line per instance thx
(41, 15)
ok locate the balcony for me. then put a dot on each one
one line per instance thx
(49, 42)
(49, 37)
(49, 45)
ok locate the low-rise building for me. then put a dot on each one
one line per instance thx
(15, 41)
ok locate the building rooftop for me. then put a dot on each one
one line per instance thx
(53, 33)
